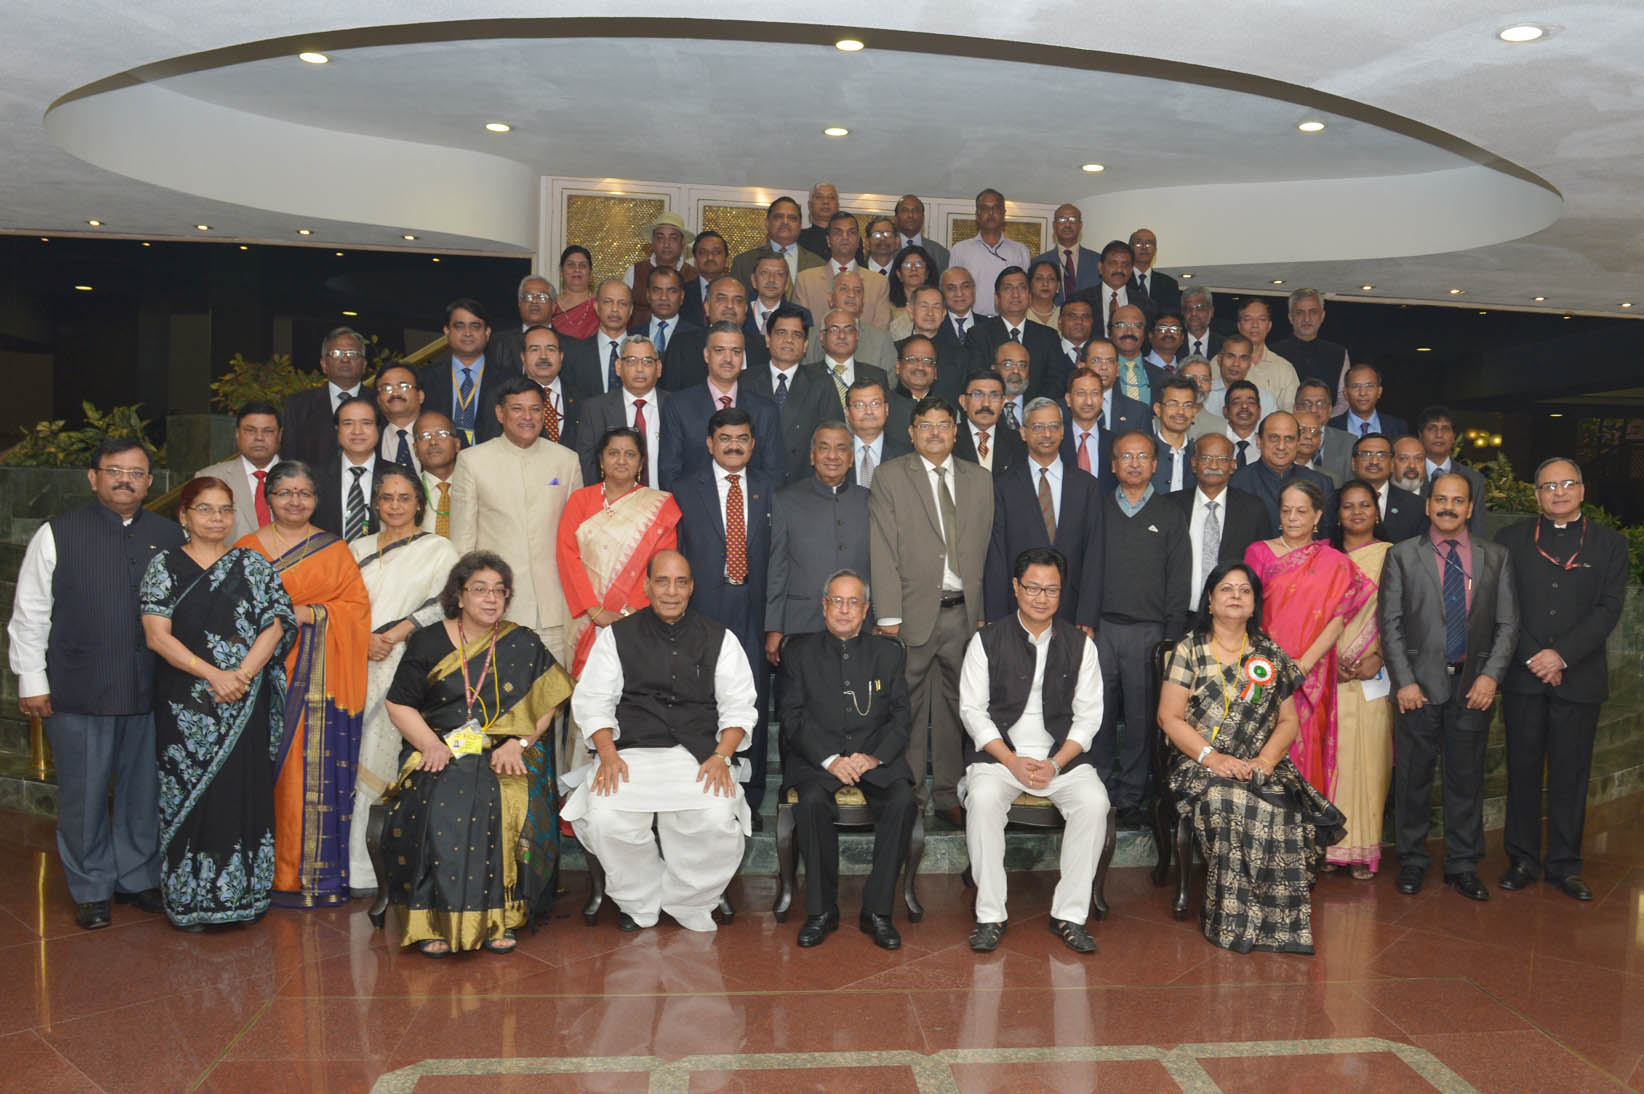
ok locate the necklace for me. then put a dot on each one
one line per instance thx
(275, 531)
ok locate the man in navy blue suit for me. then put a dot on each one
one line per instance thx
(1077, 263)
(1363, 415)
(685, 416)
(725, 534)
(1084, 438)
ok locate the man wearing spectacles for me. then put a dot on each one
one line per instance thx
(1221, 521)
(1078, 263)
(310, 427)
(537, 298)
(399, 401)
(1116, 290)
(1164, 343)
(982, 437)
(873, 345)
(437, 445)
(83, 667)
(867, 414)
(804, 397)
(1362, 386)
(883, 243)
(1402, 514)
(928, 310)
(635, 404)
(257, 439)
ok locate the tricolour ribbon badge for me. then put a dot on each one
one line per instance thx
(1258, 671)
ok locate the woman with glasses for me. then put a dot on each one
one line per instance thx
(574, 314)
(912, 268)
(218, 617)
(404, 569)
(470, 838)
(325, 692)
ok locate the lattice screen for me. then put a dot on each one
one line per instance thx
(1029, 233)
(613, 229)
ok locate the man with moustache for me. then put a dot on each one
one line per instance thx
(1085, 439)
(989, 252)
(543, 362)
(1436, 428)
(917, 369)
(438, 443)
(1120, 413)
(910, 228)
(664, 294)
(882, 246)
(866, 415)
(590, 363)
(1164, 344)
(1361, 386)
(1135, 380)
(399, 401)
(1268, 368)
(1075, 324)
(347, 485)
(667, 253)
(929, 311)
(257, 439)
(1334, 454)
(771, 289)
(1311, 437)
(1077, 263)
(781, 238)
(1158, 287)
(1449, 620)
(464, 383)
(804, 397)
(982, 438)
(1401, 512)
(1011, 362)
(310, 416)
(684, 365)
(636, 404)
(873, 344)
(1277, 467)
(1198, 308)
(1116, 290)
(1221, 521)
(710, 254)
(1242, 410)
(685, 416)
(1010, 324)
(959, 294)
(536, 298)
(1409, 465)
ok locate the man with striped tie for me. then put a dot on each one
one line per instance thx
(348, 480)
(543, 360)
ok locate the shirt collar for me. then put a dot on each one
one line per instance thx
(930, 467)
(1463, 542)
(1039, 641)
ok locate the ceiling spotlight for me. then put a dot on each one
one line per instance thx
(1555, 414)
(95, 223)
(1626, 303)
(848, 45)
(82, 288)
(305, 231)
(498, 127)
(1484, 313)
(203, 227)
(1566, 317)
(1424, 349)
(351, 314)
(243, 247)
(408, 235)
(436, 260)
(1187, 276)
(1092, 168)
(339, 254)
(1521, 32)
(1311, 126)
(1366, 288)
(1539, 299)
(835, 131)
(1457, 292)
(1278, 281)
(145, 243)
(313, 58)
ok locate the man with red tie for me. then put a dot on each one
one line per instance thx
(257, 436)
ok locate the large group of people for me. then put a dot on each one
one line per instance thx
(938, 510)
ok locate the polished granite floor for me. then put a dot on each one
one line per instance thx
(1529, 992)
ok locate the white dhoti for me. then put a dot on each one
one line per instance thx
(702, 837)
(988, 791)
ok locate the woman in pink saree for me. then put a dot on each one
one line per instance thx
(1310, 591)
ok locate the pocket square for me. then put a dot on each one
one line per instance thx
(554, 481)
(1151, 528)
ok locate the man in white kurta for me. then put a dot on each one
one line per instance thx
(1033, 739)
(665, 699)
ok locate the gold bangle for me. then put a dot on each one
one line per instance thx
(193, 659)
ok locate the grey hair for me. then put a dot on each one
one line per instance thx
(340, 332)
(1302, 294)
(1039, 402)
(821, 183)
(831, 423)
(635, 339)
(867, 593)
(1197, 359)
(1550, 460)
(520, 294)
(1199, 290)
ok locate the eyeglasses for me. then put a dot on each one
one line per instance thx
(928, 428)
(1167, 328)
(435, 434)
(1132, 457)
(209, 510)
(1552, 485)
(1068, 220)
(867, 404)
(1037, 591)
(1372, 457)
(837, 602)
(291, 495)
(343, 354)
(1043, 429)
(1311, 431)
(135, 474)
(403, 385)
(1129, 326)
(485, 591)
(839, 330)
(537, 297)
(1177, 404)
(926, 361)
(880, 233)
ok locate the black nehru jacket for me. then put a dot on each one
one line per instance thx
(97, 660)
(1011, 660)
(668, 682)
(821, 717)
(1148, 570)
(1319, 359)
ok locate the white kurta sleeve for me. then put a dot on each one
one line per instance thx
(1087, 698)
(599, 689)
(734, 690)
(973, 695)
(30, 626)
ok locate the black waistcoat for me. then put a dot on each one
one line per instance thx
(668, 682)
(1011, 659)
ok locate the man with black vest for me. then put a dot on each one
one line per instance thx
(1030, 697)
(845, 723)
(666, 703)
(83, 666)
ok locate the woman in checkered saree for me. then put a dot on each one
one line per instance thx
(1226, 705)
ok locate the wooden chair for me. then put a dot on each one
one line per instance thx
(596, 894)
(1171, 832)
(854, 814)
(1032, 811)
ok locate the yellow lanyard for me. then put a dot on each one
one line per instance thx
(1227, 694)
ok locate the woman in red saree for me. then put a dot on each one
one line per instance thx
(574, 315)
(1310, 591)
(325, 696)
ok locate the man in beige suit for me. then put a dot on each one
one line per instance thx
(931, 517)
(506, 496)
(813, 288)
(257, 436)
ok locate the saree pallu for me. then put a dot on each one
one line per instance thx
(603, 552)
(1364, 731)
(325, 700)
(471, 853)
(216, 760)
(1302, 592)
(578, 322)
(1260, 838)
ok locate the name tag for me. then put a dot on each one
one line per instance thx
(466, 741)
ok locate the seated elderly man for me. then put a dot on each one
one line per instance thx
(845, 723)
(1030, 697)
(666, 700)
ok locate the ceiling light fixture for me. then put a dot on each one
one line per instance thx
(498, 127)
(1092, 168)
(95, 223)
(313, 58)
(1278, 281)
(836, 131)
(1555, 414)
(145, 243)
(1311, 126)
(1366, 288)
(305, 231)
(82, 288)
(1457, 292)
(848, 45)
(1566, 317)
(351, 314)
(1521, 32)
(408, 236)
(243, 247)
(1539, 299)
(1424, 349)
(436, 260)
(1187, 277)
(203, 227)
(1626, 303)
(339, 254)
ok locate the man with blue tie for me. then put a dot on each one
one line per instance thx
(399, 401)
(664, 296)
(1363, 416)
(590, 363)
(463, 383)
(1078, 264)
(686, 414)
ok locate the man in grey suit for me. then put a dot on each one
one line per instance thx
(819, 526)
(910, 230)
(924, 507)
(636, 403)
(1326, 450)
(257, 436)
(1449, 621)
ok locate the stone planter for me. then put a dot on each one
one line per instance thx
(29, 495)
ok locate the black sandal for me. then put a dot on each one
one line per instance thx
(496, 945)
(985, 938)
(1074, 934)
(426, 947)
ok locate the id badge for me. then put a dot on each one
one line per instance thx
(469, 740)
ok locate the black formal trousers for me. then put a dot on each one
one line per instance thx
(1543, 727)
(893, 808)
(1420, 737)
(1125, 651)
(933, 700)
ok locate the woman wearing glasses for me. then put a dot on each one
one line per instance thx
(470, 838)
(325, 692)
(910, 269)
(218, 617)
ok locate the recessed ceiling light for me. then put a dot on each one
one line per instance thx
(498, 127)
(848, 45)
(1424, 349)
(1187, 276)
(1521, 32)
(351, 314)
(82, 288)
(1278, 281)
(1555, 414)
(243, 247)
(339, 254)
(1366, 288)
(436, 260)
(835, 131)
(45, 239)
(1311, 126)
(305, 231)
(1092, 168)
(1566, 317)
(408, 235)
(1457, 292)
(95, 223)
(1539, 299)
(1626, 303)
(313, 58)
(145, 243)
(203, 227)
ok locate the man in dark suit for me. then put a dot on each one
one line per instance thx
(804, 397)
(1120, 413)
(1436, 429)
(845, 712)
(1198, 340)
(664, 296)
(1158, 287)
(1221, 521)
(684, 364)
(910, 231)
(725, 534)
(873, 440)
(1570, 580)
(929, 311)
(686, 415)
(462, 383)
(636, 404)
(983, 438)
(536, 300)
(1075, 326)
(1277, 467)
(1363, 414)
(1402, 513)
(710, 255)
(543, 361)
(346, 505)
(1115, 290)
(311, 416)
(781, 237)
(1021, 494)
(1044, 349)
(819, 526)
(1078, 264)
(1085, 439)
(590, 363)
(1137, 378)
(1448, 624)
(916, 373)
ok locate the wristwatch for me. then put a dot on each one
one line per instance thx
(1205, 751)
(723, 756)
(1056, 765)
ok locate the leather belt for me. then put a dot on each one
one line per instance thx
(1455, 668)
(950, 600)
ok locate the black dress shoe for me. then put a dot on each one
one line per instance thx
(1572, 886)
(92, 914)
(1074, 934)
(1468, 885)
(1410, 878)
(985, 938)
(1132, 819)
(880, 929)
(954, 815)
(625, 922)
(149, 900)
(758, 823)
(1517, 877)
(816, 927)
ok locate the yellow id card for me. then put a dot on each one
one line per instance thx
(467, 741)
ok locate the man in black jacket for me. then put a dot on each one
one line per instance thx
(1570, 577)
(845, 723)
